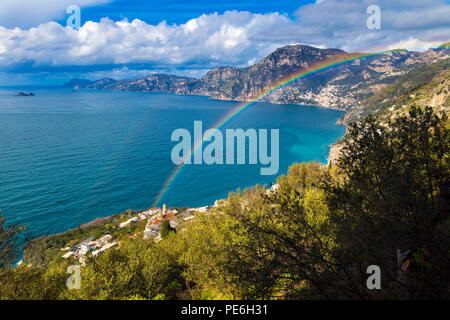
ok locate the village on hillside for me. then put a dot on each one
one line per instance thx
(93, 246)
(154, 217)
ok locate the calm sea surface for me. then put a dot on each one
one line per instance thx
(69, 157)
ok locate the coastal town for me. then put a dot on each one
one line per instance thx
(152, 221)
(92, 247)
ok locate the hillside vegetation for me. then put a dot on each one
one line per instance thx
(424, 85)
(385, 203)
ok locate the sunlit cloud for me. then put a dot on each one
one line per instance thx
(125, 49)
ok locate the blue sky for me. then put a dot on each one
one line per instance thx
(133, 38)
(180, 11)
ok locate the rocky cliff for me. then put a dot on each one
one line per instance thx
(230, 83)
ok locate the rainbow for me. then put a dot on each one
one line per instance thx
(304, 74)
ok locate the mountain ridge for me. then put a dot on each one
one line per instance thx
(343, 88)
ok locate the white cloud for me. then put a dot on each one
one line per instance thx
(208, 40)
(233, 38)
(342, 23)
(414, 44)
(26, 13)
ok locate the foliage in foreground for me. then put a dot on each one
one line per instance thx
(8, 242)
(384, 203)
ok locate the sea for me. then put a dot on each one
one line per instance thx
(68, 157)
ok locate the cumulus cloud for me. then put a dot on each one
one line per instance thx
(414, 43)
(209, 40)
(26, 13)
(342, 23)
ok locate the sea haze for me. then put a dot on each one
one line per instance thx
(69, 157)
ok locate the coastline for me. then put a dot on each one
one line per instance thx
(332, 156)
(100, 218)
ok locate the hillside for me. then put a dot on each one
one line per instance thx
(426, 85)
(342, 88)
(314, 236)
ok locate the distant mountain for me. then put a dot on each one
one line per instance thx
(151, 83)
(343, 88)
(78, 83)
(228, 83)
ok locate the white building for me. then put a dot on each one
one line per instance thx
(84, 248)
(143, 215)
(68, 254)
(104, 248)
(104, 239)
(274, 189)
(124, 224)
(173, 223)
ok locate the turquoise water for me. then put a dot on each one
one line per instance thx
(69, 157)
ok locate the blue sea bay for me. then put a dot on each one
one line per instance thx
(67, 157)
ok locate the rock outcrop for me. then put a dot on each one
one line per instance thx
(22, 94)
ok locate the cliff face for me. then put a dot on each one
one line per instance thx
(344, 87)
(230, 83)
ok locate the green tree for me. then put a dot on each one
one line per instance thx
(393, 203)
(166, 229)
(286, 242)
(29, 283)
(8, 242)
(386, 200)
(136, 269)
